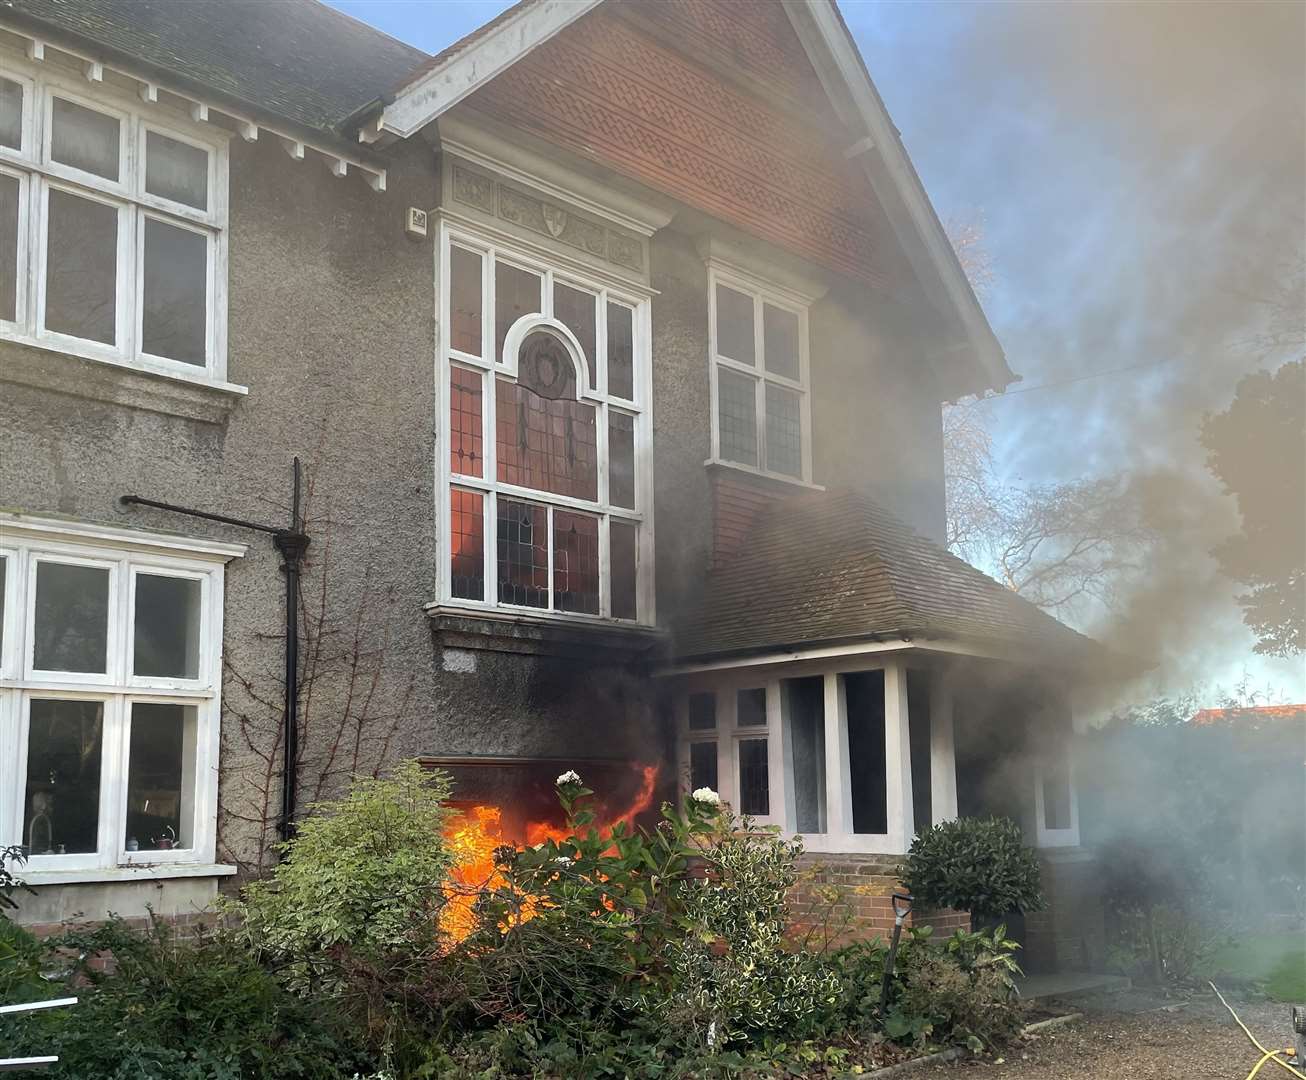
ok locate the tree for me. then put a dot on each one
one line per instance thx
(1257, 450)
(1058, 545)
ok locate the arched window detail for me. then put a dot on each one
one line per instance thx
(546, 504)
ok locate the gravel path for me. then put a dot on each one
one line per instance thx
(1127, 1039)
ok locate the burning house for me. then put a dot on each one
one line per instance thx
(612, 340)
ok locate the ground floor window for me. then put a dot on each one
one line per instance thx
(110, 669)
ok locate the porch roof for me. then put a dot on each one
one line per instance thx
(834, 567)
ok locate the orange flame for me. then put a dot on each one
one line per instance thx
(476, 833)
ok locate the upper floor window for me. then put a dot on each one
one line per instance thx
(112, 228)
(760, 415)
(110, 668)
(546, 492)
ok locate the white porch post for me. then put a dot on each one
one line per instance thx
(897, 759)
(779, 762)
(838, 774)
(943, 757)
(725, 747)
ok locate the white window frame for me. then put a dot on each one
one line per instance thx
(38, 174)
(1068, 836)
(26, 542)
(761, 293)
(639, 408)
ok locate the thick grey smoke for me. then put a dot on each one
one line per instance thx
(1141, 171)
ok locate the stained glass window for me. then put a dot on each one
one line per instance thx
(466, 446)
(575, 562)
(467, 544)
(523, 542)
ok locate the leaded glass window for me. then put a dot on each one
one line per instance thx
(547, 433)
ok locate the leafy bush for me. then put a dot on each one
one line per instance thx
(9, 881)
(980, 865)
(364, 876)
(963, 992)
(174, 1009)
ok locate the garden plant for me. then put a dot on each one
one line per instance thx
(634, 952)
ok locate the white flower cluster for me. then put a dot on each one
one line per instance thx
(569, 777)
(706, 795)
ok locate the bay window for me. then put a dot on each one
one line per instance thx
(110, 668)
(112, 228)
(761, 412)
(545, 493)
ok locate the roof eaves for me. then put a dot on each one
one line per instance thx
(831, 47)
(229, 104)
(476, 59)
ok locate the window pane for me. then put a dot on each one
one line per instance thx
(751, 705)
(702, 766)
(84, 139)
(72, 617)
(780, 331)
(81, 275)
(9, 187)
(734, 325)
(804, 716)
(176, 170)
(624, 560)
(621, 351)
(516, 293)
(754, 777)
(702, 711)
(466, 445)
(161, 777)
(465, 301)
(176, 292)
(784, 431)
(1056, 795)
(523, 561)
(167, 634)
(621, 459)
(11, 114)
(467, 543)
(62, 806)
(575, 562)
(577, 311)
(737, 416)
(549, 445)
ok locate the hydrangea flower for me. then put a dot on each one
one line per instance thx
(569, 777)
(706, 795)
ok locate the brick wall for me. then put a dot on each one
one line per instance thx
(668, 96)
(1069, 934)
(843, 898)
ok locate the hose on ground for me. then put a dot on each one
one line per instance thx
(1266, 1055)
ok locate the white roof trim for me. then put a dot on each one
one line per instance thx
(833, 51)
(446, 84)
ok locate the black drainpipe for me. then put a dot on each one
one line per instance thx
(292, 543)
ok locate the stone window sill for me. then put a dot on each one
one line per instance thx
(778, 481)
(195, 398)
(459, 628)
(140, 872)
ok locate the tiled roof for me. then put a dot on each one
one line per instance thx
(295, 59)
(822, 568)
(1251, 716)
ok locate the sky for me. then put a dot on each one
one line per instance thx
(1138, 175)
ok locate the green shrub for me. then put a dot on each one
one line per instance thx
(20, 965)
(363, 879)
(176, 1009)
(980, 865)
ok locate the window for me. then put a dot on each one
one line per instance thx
(759, 378)
(112, 228)
(730, 743)
(546, 497)
(109, 678)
